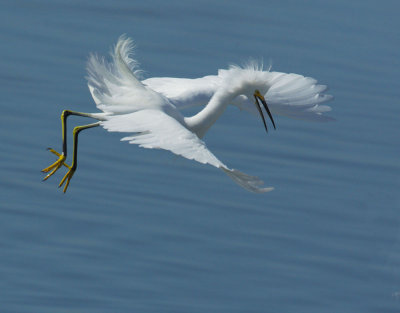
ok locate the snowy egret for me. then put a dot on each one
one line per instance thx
(150, 109)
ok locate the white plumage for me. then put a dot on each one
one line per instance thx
(149, 110)
(290, 95)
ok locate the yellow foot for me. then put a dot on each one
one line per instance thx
(67, 178)
(56, 165)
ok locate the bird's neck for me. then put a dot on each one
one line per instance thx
(202, 121)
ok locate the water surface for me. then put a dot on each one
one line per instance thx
(144, 231)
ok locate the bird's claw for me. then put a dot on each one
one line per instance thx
(67, 178)
(56, 165)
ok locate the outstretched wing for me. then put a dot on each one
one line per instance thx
(290, 95)
(154, 129)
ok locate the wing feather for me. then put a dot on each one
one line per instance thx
(294, 96)
(114, 85)
(155, 129)
(290, 95)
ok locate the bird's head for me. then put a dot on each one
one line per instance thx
(251, 82)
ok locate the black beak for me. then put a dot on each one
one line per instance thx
(258, 96)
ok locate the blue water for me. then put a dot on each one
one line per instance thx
(144, 231)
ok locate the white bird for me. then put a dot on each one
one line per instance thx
(149, 110)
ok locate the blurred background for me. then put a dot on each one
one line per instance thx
(145, 231)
